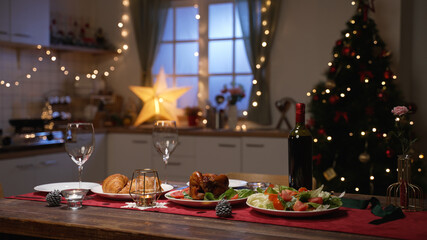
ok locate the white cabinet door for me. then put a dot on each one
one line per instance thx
(30, 21)
(182, 161)
(127, 152)
(95, 169)
(4, 20)
(57, 167)
(265, 155)
(17, 176)
(218, 154)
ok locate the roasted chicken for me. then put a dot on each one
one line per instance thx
(208, 182)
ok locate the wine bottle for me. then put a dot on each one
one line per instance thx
(300, 152)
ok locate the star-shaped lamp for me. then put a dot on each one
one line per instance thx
(159, 100)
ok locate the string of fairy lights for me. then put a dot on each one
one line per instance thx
(366, 80)
(47, 54)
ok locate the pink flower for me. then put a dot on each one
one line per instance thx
(399, 110)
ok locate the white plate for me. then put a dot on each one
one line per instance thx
(292, 213)
(199, 203)
(64, 185)
(125, 196)
(233, 183)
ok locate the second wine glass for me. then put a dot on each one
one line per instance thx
(79, 144)
(165, 139)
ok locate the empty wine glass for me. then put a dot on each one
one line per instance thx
(79, 144)
(165, 139)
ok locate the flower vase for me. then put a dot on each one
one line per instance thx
(232, 117)
(403, 194)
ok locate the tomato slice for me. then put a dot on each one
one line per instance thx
(177, 194)
(286, 196)
(318, 200)
(300, 206)
(187, 190)
(290, 192)
(272, 196)
(302, 189)
(277, 204)
(235, 197)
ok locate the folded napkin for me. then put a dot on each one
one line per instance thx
(387, 214)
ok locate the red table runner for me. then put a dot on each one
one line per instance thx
(347, 220)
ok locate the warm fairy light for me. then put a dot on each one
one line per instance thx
(7, 84)
(356, 189)
(53, 58)
(254, 104)
(323, 92)
(93, 76)
(161, 100)
(112, 68)
(88, 75)
(28, 76)
(254, 82)
(348, 66)
(387, 170)
(370, 61)
(397, 119)
(324, 101)
(371, 178)
(314, 90)
(204, 121)
(421, 156)
(352, 21)
(258, 66)
(384, 135)
(77, 78)
(375, 41)
(244, 127)
(264, 44)
(342, 95)
(196, 54)
(106, 73)
(62, 68)
(363, 133)
(411, 123)
(315, 140)
(65, 72)
(394, 77)
(342, 179)
(268, 3)
(196, 5)
(264, 22)
(197, 16)
(336, 55)
(350, 134)
(353, 3)
(329, 64)
(262, 59)
(120, 25)
(39, 46)
(125, 3)
(308, 94)
(383, 83)
(347, 35)
(47, 52)
(34, 69)
(2, 82)
(419, 169)
(95, 71)
(125, 47)
(119, 51)
(348, 89)
(124, 33)
(40, 59)
(263, 9)
(16, 83)
(329, 138)
(327, 91)
(258, 93)
(266, 32)
(354, 32)
(357, 56)
(366, 80)
(374, 130)
(245, 113)
(125, 17)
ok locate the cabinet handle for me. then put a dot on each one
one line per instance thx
(25, 166)
(254, 145)
(226, 145)
(49, 162)
(3, 32)
(140, 141)
(174, 163)
(22, 35)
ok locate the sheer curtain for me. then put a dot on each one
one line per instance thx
(148, 18)
(258, 19)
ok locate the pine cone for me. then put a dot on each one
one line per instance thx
(53, 198)
(223, 208)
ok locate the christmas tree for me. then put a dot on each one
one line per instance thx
(351, 112)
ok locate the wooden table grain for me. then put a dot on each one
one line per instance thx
(21, 218)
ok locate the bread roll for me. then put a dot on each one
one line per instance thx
(114, 183)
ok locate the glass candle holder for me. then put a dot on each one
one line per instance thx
(145, 187)
(74, 197)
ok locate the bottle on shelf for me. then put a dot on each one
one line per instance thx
(300, 152)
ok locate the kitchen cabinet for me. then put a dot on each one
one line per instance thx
(218, 154)
(95, 169)
(265, 155)
(181, 163)
(25, 21)
(127, 152)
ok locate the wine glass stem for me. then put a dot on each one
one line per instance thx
(165, 160)
(80, 175)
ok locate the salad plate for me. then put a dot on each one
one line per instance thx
(123, 196)
(200, 203)
(233, 183)
(64, 185)
(283, 213)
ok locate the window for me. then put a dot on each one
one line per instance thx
(202, 47)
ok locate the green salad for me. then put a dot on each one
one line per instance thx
(230, 194)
